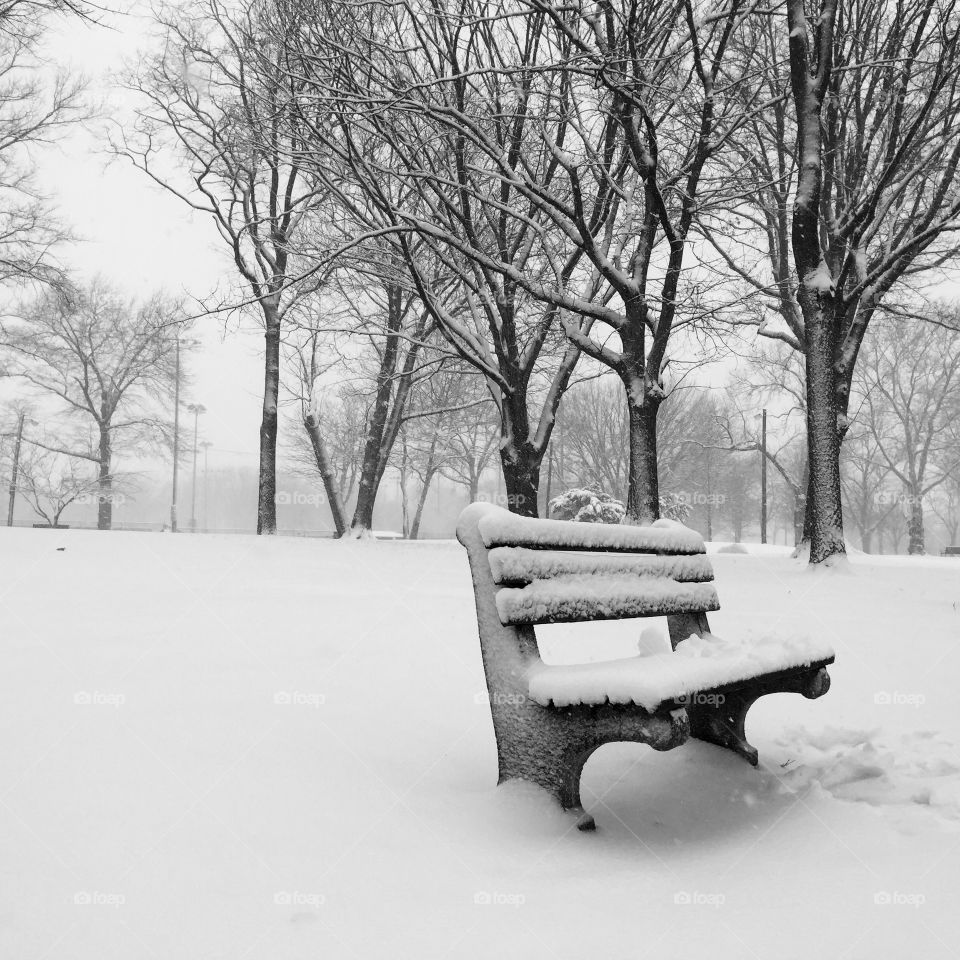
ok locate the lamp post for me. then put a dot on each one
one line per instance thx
(196, 409)
(763, 476)
(206, 444)
(14, 470)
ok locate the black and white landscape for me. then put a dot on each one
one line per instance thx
(653, 306)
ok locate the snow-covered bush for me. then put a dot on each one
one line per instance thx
(586, 506)
(674, 507)
(589, 506)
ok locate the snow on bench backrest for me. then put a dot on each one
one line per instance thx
(553, 571)
(499, 527)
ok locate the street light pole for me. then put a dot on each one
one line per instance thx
(176, 438)
(763, 478)
(206, 444)
(196, 409)
(14, 470)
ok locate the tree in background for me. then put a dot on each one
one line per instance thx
(33, 113)
(50, 482)
(910, 382)
(849, 179)
(105, 367)
(218, 101)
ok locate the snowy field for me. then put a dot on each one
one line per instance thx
(224, 747)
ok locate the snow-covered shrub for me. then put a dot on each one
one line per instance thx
(586, 506)
(590, 506)
(674, 507)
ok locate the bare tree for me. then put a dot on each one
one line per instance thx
(218, 96)
(910, 378)
(33, 113)
(104, 364)
(849, 181)
(558, 183)
(51, 482)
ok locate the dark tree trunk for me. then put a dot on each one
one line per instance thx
(105, 482)
(267, 493)
(823, 435)
(334, 499)
(375, 451)
(421, 503)
(521, 477)
(643, 486)
(916, 544)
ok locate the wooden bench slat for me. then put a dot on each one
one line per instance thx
(518, 565)
(502, 529)
(574, 599)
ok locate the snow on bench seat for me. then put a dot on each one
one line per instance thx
(500, 528)
(520, 565)
(698, 664)
(575, 598)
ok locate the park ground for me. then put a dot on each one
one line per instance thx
(262, 749)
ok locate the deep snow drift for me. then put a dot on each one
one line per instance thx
(224, 747)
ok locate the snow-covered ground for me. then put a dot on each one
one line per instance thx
(224, 747)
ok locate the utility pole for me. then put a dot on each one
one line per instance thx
(14, 470)
(763, 478)
(206, 444)
(196, 409)
(709, 495)
(176, 438)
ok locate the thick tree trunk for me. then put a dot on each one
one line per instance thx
(823, 435)
(643, 486)
(334, 499)
(105, 483)
(375, 452)
(362, 521)
(521, 477)
(267, 493)
(915, 530)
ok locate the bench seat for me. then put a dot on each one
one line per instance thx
(699, 665)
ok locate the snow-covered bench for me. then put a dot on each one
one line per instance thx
(548, 719)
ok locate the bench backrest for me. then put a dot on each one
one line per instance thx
(528, 571)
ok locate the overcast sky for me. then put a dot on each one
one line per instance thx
(141, 238)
